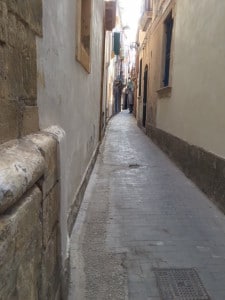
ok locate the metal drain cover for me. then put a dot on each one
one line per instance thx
(180, 284)
(134, 166)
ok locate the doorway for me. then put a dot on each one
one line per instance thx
(145, 95)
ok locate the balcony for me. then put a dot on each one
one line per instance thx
(145, 19)
(110, 15)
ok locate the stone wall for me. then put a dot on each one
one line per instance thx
(20, 22)
(30, 252)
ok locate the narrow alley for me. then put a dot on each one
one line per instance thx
(112, 150)
(142, 219)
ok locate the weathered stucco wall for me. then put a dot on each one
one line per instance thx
(20, 22)
(30, 264)
(195, 111)
(70, 97)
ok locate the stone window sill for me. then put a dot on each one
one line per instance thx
(164, 92)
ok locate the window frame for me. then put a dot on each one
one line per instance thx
(140, 78)
(82, 56)
(167, 49)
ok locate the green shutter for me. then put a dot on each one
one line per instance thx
(116, 43)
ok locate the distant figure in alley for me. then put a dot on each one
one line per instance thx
(130, 88)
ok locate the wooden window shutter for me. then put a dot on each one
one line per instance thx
(116, 43)
(110, 15)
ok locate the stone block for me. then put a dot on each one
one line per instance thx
(21, 166)
(58, 294)
(48, 147)
(51, 267)
(50, 213)
(22, 73)
(15, 75)
(8, 120)
(29, 11)
(28, 277)
(36, 16)
(3, 23)
(12, 6)
(24, 37)
(29, 71)
(3, 72)
(20, 248)
(19, 35)
(30, 120)
(12, 30)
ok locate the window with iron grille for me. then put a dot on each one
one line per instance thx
(168, 27)
(140, 77)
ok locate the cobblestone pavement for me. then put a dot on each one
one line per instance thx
(140, 213)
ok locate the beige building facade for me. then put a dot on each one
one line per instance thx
(181, 89)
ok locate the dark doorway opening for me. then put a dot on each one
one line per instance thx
(145, 95)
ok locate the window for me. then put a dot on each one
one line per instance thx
(110, 15)
(148, 5)
(168, 25)
(140, 76)
(116, 43)
(83, 47)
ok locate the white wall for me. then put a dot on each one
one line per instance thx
(196, 110)
(67, 95)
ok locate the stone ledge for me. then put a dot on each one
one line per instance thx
(47, 145)
(21, 165)
(57, 132)
(23, 162)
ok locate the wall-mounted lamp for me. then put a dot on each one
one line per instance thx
(134, 45)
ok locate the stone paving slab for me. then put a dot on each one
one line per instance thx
(139, 213)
